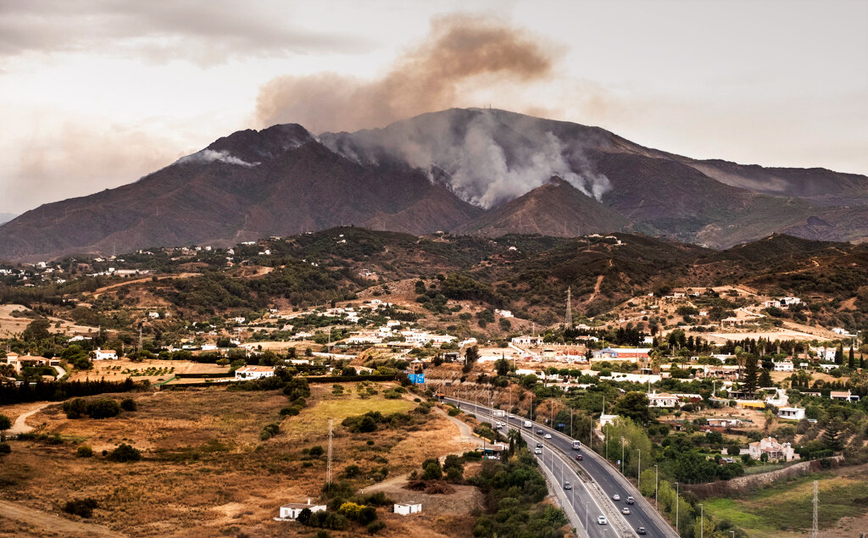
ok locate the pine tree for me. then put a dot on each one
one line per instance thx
(852, 361)
(832, 435)
(839, 354)
(750, 373)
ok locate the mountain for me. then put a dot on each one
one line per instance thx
(6, 217)
(469, 171)
(556, 209)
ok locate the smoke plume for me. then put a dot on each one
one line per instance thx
(461, 51)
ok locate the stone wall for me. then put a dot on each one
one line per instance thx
(757, 481)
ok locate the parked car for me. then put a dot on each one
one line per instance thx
(579, 457)
(625, 511)
(601, 520)
(630, 500)
(616, 497)
(567, 485)
(641, 530)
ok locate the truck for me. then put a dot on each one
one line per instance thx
(527, 424)
(577, 445)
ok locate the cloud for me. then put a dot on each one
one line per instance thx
(203, 32)
(461, 52)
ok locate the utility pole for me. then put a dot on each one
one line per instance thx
(639, 470)
(701, 521)
(815, 530)
(329, 468)
(569, 320)
(676, 509)
(656, 485)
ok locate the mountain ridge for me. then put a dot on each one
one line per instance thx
(454, 170)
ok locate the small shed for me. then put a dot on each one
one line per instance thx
(408, 508)
(292, 510)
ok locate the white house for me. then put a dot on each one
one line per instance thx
(408, 508)
(292, 510)
(254, 372)
(109, 355)
(503, 313)
(783, 366)
(773, 449)
(791, 413)
(662, 400)
(526, 341)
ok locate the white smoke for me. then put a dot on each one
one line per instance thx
(482, 172)
(209, 155)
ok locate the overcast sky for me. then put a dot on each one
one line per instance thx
(96, 93)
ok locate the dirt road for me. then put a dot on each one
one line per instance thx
(20, 424)
(45, 524)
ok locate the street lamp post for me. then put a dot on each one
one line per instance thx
(587, 509)
(656, 486)
(622, 455)
(676, 509)
(701, 521)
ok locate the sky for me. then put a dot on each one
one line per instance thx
(95, 94)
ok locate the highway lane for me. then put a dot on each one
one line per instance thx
(605, 476)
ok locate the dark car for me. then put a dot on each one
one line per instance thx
(641, 530)
(539, 432)
(579, 457)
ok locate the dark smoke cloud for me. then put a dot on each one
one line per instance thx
(461, 51)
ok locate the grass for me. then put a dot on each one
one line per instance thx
(786, 508)
(313, 420)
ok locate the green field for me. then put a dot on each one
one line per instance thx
(785, 509)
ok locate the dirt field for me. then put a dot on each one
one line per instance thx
(119, 370)
(11, 325)
(206, 472)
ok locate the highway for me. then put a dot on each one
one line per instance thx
(605, 476)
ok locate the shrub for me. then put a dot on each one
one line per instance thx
(103, 408)
(269, 431)
(128, 404)
(352, 471)
(5, 448)
(316, 451)
(375, 526)
(123, 453)
(453, 411)
(84, 451)
(76, 408)
(432, 471)
(81, 507)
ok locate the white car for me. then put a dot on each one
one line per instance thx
(601, 520)
(625, 511)
(616, 497)
(537, 450)
(548, 436)
(511, 415)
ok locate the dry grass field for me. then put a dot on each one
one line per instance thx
(205, 470)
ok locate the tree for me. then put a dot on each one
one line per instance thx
(750, 373)
(37, 330)
(501, 366)
(765, 379)
(5, 424)
(832, 436)
(852, 359)
(839, 354)
(470, 357)
(634, 405)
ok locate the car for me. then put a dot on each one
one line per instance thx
(539, 445)
(616, 497)
(548, 436)
(537, 450)
(641, 530)
(630, 500)
(601, 520)
(567, 485)
(579, 457)
(539, 432)
(625, 511)
(511, 415)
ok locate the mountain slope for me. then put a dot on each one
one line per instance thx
(554, 209)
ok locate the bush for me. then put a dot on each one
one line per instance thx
(316, 451)
(375, 526)
(103, 408)
(124, 453)
(81, 507)
(432, 471)
(5, 448)
(128, 404)
(76, 408)
(84, 451)
(269, 431)
(453, 411)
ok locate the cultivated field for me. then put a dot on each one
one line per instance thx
(205, 470)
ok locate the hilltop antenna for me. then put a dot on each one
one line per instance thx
(569, 307)
(815, 531)
(329, 468)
